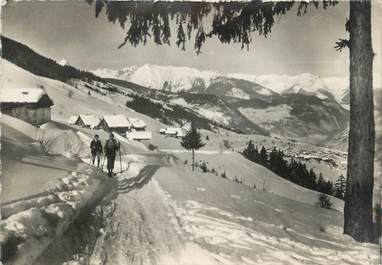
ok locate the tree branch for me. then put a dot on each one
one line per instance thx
(342, 44)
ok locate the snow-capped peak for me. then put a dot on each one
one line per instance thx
(175, 78)
(181, 78)
(305, 83)
(123, 73)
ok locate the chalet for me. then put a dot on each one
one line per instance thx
(140, 136)
(137, 124)
(115, 123)
(73, 119)
(172, 131)
(32, 105)
(88, 121)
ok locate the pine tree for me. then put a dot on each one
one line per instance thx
(321, 183)
(192, 141)
(248, 152)
(273, 162)
(340, 187)
(312, 179)
(358, 210)
(263, 157)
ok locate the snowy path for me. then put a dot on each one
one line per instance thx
(137, 232)
(222, 224)
(144, 176)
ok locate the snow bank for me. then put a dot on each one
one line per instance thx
(66, 143)
(30, 225)
(55, 140)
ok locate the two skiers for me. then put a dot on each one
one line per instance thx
(112, 146)
(96, 149)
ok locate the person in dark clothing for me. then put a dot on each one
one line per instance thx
(111, 148)
(96, 149)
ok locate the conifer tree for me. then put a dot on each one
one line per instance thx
(192, 141)
(340, 187)
(263, 157)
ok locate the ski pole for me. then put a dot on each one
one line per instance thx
(120, 159)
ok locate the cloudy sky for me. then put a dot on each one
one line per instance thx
(69, 29)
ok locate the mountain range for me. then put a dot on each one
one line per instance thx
(176, 78)
(177, 95)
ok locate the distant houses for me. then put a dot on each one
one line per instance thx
(172, 131)
(131, 128)
(139, 135)
(32, 105)
(115, 123)
(137, 124)
(88, 121)
(73, 119)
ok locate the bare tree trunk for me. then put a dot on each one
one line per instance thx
(358, 211)
(193, 160)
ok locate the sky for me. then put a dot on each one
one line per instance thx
(297, 44)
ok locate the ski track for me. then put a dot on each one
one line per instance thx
(137, 236)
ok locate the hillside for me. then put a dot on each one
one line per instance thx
(212, 100)
(22, 56)
(290, 115)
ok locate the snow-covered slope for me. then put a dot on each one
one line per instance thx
(203, 219)
(78, 101)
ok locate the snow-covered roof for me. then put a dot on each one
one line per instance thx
(137, 123)
(21, 95)
(73, 119)
(139, 135)
(171, 130)
(174, 130)
(116, 120)
(90, 120)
